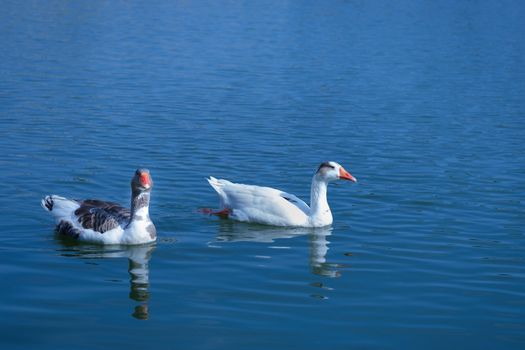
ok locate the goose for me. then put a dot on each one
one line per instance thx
(269, 206)
(102, 222)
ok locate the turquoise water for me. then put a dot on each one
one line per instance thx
(424, 102)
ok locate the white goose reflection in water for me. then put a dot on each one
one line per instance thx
(317, 237)
(138, 267)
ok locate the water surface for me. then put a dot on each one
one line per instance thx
(422, 101)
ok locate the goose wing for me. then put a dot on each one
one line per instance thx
(101, 216)
(296, 201)
(261, 204)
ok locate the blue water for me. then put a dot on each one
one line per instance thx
(422, 101)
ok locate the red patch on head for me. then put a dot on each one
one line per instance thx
(144, 179)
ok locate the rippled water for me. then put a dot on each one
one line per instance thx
(424, 102)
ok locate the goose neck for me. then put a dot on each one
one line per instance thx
(318, 200)
(140, 206)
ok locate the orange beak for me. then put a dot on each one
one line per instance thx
(145, 180)
(345, 175)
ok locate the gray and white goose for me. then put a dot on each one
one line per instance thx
(103, 222)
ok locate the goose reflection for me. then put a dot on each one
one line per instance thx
(318, 250)
(317, 237)
(138, 268)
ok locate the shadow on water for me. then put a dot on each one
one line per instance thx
(231, 231)
(138, 267)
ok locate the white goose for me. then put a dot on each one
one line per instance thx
(269, 206)
(104, 222)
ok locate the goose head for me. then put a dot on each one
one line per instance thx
(141, 181)
(331, 171)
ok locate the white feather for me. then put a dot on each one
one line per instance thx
(266, 205)
(258, 204)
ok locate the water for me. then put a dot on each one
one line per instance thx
(424, 102)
